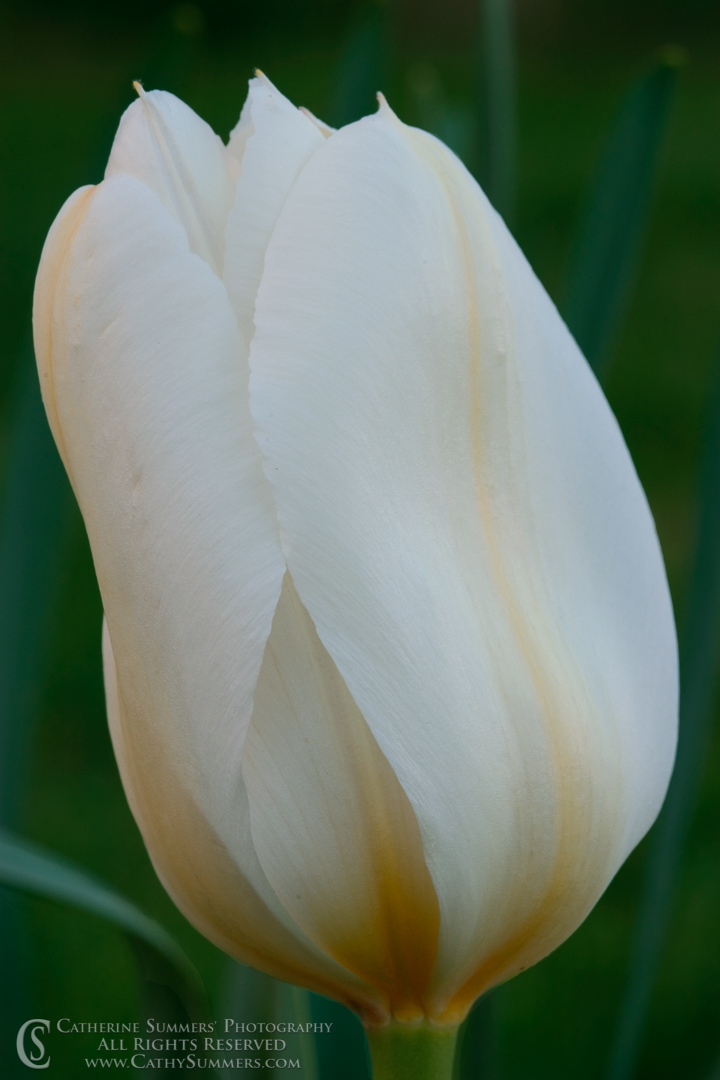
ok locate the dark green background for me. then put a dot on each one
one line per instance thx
(66, 70)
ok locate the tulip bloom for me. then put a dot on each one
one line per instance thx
(389, 653)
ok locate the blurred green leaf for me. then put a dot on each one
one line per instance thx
(361, 72)
(30, 869)
(15, 996)
(699, 654)
(609, 239)
(247, 993)
(257, 998)
(498, 172)
(35, 513)
(293, 1002)
(476, 1055)
(34, 518)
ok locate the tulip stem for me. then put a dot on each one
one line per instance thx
(412, 1052)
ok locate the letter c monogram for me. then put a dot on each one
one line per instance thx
(33, 1062)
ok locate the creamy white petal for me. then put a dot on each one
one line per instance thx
(230, 903)
(276, 140)
(150, 390)
(464, 525)
(51, 279)
(162, 142)
(332, 827)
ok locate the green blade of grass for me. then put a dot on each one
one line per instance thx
(498, 112)
(609, 240)
(32, 870)
(699, 652)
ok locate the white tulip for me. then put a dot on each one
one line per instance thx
(390, 659)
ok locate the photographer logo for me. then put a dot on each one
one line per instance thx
(33, 1060)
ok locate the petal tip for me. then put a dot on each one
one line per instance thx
(262, 78)
(385, 110)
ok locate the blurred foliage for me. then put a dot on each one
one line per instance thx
(612, 226)
(699, 654)
(496, 112)
(163, 965)
(66, 73)
(217, 16)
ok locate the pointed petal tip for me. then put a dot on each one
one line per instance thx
(259, 80)
(262, 78)
(385, 110)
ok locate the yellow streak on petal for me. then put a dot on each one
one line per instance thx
(569, 882)
(320, 786)
(582, 857)
(521, 946)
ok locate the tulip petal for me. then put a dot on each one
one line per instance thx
(324, 128)
(162, 142)
(149, 381)
(332, 827)
(465, 528)
(50, 279)
(275, 140)
(229, 903)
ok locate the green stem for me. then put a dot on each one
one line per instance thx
(412, 1052)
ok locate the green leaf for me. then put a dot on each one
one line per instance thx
(30, 869)
(610, 236)
(699, 653)
(499, 124)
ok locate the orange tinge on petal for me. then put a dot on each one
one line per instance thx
(190, 858)
(333, 827)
